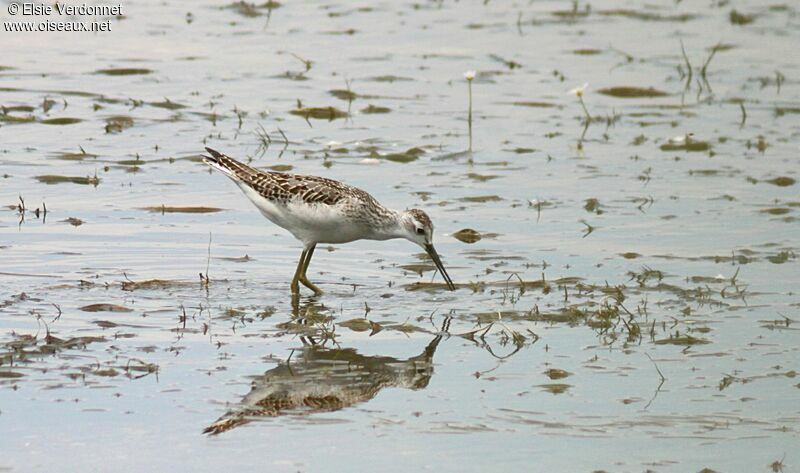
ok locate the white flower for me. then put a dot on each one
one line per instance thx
(578, 91)
(681, 140)
(469, 75)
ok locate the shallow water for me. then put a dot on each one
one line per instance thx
(610, 253)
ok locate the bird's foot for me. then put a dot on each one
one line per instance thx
(311, 285)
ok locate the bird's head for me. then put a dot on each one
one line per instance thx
(418, 228)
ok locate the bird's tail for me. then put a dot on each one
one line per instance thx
(228, 166)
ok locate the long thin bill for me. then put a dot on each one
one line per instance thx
(438, 262)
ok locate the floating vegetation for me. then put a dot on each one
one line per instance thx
(479, 286)
(592, 205)
(781, 181)
(374, 109)
(632, 92)
(776, 211)
(249, 10)
(390, 78)
(407, 156)
(688, 145)
(56, 179)
(5, 374)
(779, 111)
(280, 167)
(555, 388)
(535, 104)
(12, 119)
(346, 32)
(555, 373)
(780, 258)
(124, 71)
(705, 172)
(167, 104)
(26, 348)
(293, 76)
(151, 284)
(5, 109)
(509, 63)
(647, 16)
(237, 259)
(320, 113)
(118, 123)
(344, 94)
(481, 177)
(467, 235)
(79, 156)
(105, 308)
(682, 340)
(740, 19)
(481, 199)
(131, 162)
(171, 209)
(61, 121)
(418, 268)
(361, 325)
(587, 52)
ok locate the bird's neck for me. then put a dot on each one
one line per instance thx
(389, 225)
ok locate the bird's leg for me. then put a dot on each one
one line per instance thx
(303, 277)
(295, 286)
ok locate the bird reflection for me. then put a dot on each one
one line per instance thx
(318, 379)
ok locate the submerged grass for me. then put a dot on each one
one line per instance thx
(151, 284)
(628, 92)
(407, 156)
(56, 179)
(320, 113)
(375, 109)
(61, 121)
(169, 209)
(124, 71)
(105, 308)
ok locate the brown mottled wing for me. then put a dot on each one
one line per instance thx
(282, 187)
(316, 190)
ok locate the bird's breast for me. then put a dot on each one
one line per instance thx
(310, 222)
(322, 223)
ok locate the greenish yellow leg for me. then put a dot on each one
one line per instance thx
(295, 286)
(303, 278)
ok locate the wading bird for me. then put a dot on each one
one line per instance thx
(318, 210)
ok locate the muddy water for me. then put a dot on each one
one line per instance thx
(627, 293)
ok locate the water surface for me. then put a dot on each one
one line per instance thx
(630, 303)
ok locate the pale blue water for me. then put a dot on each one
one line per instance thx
(728, 405)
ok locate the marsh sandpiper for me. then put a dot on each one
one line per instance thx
(319, 210)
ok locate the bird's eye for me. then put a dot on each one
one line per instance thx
(420, 231)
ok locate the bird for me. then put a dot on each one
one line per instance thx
(319, 210)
